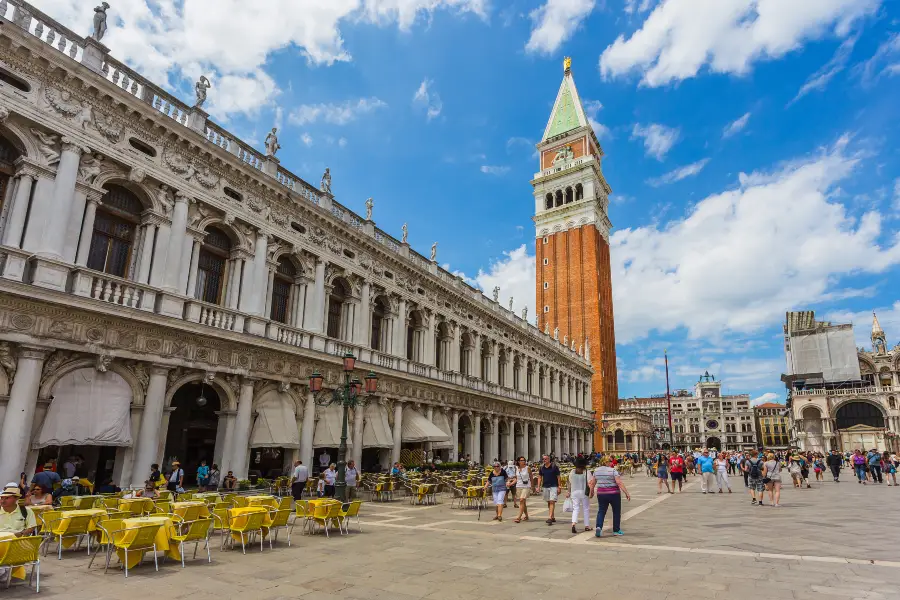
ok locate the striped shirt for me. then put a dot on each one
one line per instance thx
(606, 480)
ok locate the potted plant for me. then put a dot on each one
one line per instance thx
(243, 484)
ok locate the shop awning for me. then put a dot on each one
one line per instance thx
(443, 423)
(377, 429)
(328, 427)
(417, 429)
(89, 408)
(276, 423)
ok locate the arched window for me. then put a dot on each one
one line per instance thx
(465, 353)
(548, 201)
(442, 340)
(892, 403)
(559, 198)
(340, 293)
(285, 274)
(570, 196)
(858, 413)
(379, 331)
(517, 370)
(415, 339)
(529, 375)
(115, 224)
(211, 266)
(579, 192)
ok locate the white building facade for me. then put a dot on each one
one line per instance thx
(708, 419)
(655, 407)
(166, 290)
(841, 398)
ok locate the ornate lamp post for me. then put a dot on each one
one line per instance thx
(347, 395)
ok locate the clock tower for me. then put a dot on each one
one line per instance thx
(574, 283)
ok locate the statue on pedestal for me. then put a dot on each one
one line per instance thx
(525, 314)
(100, 21)
(434, 252)
(497, 293)
(369, 205)
(325, 186)
(405, 230)
(200, 91)
(272, 145)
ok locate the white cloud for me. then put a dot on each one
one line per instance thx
(555, 22)
(736, 126)
(335, 114)
(174, 42)
(885, 61)
(644, 374)
(674, 44)
(820, 79)
(658, 139)
(592, 108)
(515, 274)
(428, 99)
(342, 142)
(742, 257)
(888, 318)
(306, 139)
(679, 173)
(767, 397)
(494, 170)
(632, 6)
(896, 202)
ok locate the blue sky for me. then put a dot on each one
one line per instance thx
(751, 144)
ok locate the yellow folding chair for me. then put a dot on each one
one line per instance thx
(193, 532)
(349, 510)
(70, 527)
(135, 539)
(111, 502)
(66, 502)
(220, 521)
(107, 528)
(301, 512)
(251, 523)
(84, 503)
(280, 518)
(22, 552)
(327, 513)
(162, 507)
(240, 501)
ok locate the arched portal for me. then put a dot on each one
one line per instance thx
(858, 413)
(193, 423)
(714, 442)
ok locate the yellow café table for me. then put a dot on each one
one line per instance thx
(136, 505)
(191, 510)
(262, 500)
(66, 516)
(238, 518)
(163, 538)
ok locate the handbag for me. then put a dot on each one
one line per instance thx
(179, 490)
(567, 505)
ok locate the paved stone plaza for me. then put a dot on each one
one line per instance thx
(833, 541)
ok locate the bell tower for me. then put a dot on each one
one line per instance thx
(571, 198)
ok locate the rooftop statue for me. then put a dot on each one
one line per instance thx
(325, 186)
(369, 205)
(272, 145)
(200, 90)
(405, 230)
(434, 252)
(100, 21)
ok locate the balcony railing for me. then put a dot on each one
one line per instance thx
(855, 391)
(112, 290)
(213, 315)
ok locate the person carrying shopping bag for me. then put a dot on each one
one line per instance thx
(579, 494)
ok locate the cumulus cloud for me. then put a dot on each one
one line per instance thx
(736, 126)
(679, 173)
(555, 22)
(658, 139)
(334, 114)
(515, 273)
(173, 43)
(673, 44)
(767, 397)
(494, 170)
(427, 99)
(592, 109)
(306, 139)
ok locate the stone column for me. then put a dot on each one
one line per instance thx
(358, 429)
(398, 428)
(187, 253)
(476, 356)
(176, 242)
(454, 435)
(308, 431)
(363, 328)
(87, 233)
(476, 439)
(15, 223)
(244, 420)
(454, 349)
(429, 358)
(266, 310)
(315, 309)
(259, 274)
(557, 440)
(195, 264)
(533, 447)
(160, 254)
(239, 269)
(15, 434)
(147, 444)
(400, 330)
(61, 202)
(148, 232)
(510, 440)
(495, 438)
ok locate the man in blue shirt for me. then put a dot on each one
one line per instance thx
(707, 472)
(874, 460)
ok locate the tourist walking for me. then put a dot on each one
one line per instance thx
(707, 472)
(661, 465)
(889, 468)
(874, 460)
(497, 480)
(772, 478)
(548, 479)
(859, 465)
(753, 471)
(819, 467)
(676, 468)
(523, 488)
(722, 473)
(351, 479)
(835, 461)
(511, 477)
(579, 493)
(607, 484)
(299, 477)
(795, 468)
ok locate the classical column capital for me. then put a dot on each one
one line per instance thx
(158, 370)
(33, 352)
(70, 145)
(182, 198)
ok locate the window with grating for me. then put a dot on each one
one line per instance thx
(210, 275)
(111, 244)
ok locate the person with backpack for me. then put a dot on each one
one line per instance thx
(753, 468)
(661, 464)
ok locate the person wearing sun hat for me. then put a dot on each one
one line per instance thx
(176, 479)
(15, 519)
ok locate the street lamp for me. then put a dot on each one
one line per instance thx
(347, 395)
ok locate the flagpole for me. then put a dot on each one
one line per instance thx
(669, 402)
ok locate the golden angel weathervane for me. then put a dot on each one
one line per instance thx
(567, 64)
